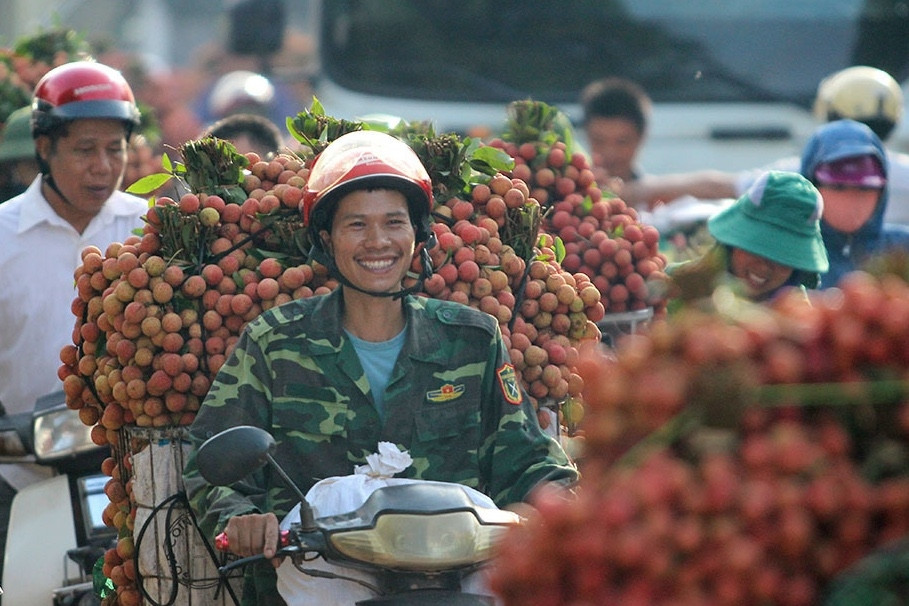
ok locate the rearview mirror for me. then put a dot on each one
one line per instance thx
(234, 453)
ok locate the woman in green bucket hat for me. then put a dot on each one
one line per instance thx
(766, 241)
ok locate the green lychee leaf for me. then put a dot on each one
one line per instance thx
(149, 183)
(490, 160)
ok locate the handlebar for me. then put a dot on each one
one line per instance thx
(284, 548)
(222, 544)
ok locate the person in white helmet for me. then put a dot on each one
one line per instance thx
(861, 93)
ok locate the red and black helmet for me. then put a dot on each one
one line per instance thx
(367, 159)
(82, 89)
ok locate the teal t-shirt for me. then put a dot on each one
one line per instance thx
(378, 360)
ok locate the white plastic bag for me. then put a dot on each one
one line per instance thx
(342, 494)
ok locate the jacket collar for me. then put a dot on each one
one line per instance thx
(327, 334)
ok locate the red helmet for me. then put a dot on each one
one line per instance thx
(364, 159)
(82, 89)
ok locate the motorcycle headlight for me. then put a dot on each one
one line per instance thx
(420, 542)
(59, 433)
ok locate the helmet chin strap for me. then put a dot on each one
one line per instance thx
(319, 254)
(47, 179)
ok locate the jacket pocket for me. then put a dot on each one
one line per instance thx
(450, 420)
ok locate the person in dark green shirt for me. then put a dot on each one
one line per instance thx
(451, 397)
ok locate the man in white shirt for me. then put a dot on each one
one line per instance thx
(83, 114)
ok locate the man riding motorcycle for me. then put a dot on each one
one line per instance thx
(331, 376)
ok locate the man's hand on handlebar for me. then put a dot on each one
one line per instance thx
(254, 534)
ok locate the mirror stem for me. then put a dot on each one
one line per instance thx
(307, 519)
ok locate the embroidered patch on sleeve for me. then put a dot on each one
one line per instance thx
(508, 380)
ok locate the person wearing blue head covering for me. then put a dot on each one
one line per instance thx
(847, 163)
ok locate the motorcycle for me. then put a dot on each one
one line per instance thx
(417, 540)
(56, 531)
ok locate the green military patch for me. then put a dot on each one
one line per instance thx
(446, 393)
(508, 380)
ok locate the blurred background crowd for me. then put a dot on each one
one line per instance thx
(189, 65)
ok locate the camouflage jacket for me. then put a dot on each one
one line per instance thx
(453, 401)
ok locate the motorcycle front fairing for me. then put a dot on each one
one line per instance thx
(419, 526)
(410, 542)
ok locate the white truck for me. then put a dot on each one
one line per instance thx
(732, 82)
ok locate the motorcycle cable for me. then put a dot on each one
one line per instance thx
(324, 574)
(293, 552)
(172, 503)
